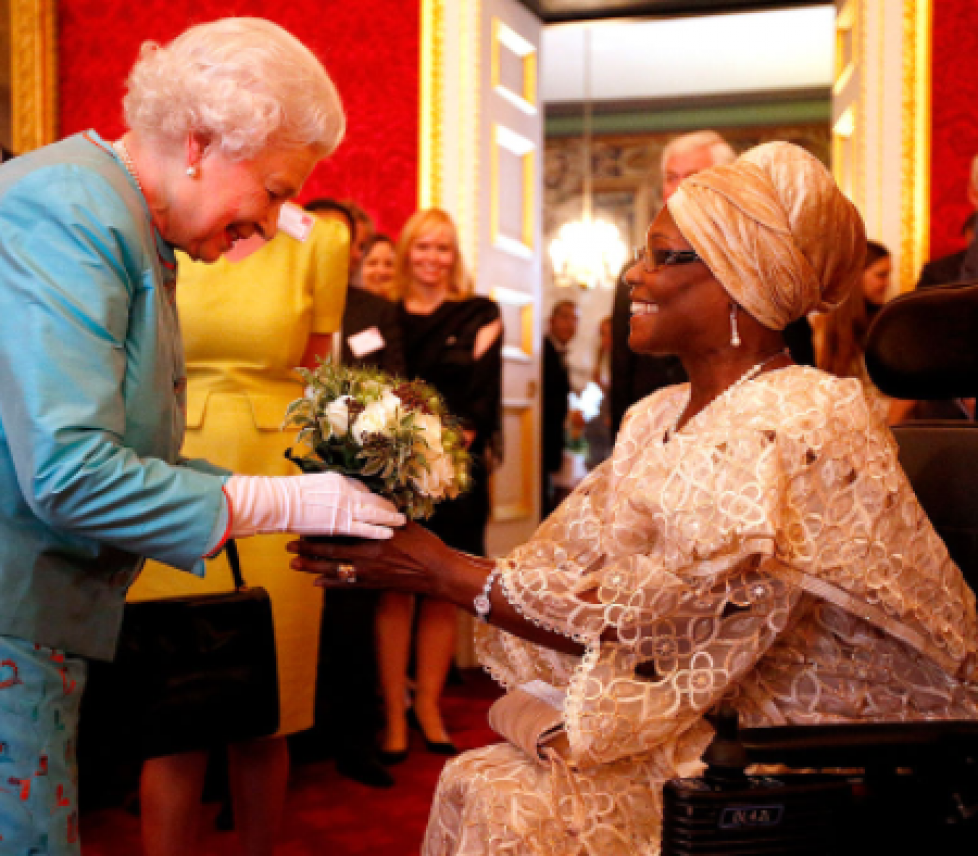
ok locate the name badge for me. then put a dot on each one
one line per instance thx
(295, 222)
(365, 342)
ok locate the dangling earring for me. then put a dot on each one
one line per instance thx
(192, 171)
(734, 332)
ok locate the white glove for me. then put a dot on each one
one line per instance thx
(319, 504)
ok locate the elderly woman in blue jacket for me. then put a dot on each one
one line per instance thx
(225, 124)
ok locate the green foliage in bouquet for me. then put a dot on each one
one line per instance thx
(397, 437)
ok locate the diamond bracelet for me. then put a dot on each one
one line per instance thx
(483, 600)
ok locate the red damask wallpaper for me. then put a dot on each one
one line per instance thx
(370, 47)
(954, 119)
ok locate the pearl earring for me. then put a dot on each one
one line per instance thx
(734, 332)
(192, 171)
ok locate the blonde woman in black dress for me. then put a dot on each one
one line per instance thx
(452, 340)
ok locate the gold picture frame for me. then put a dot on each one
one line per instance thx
(33, 73)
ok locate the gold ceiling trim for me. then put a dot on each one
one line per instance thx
(916, 141)
(33, 73)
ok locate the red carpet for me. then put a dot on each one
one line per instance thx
(326, 813)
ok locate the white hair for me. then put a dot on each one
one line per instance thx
(244, 83)
(719, 148)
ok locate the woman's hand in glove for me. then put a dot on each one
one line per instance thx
(318, 504)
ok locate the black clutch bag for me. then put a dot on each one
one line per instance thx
(194, 672)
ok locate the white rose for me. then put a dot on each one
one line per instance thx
(443, 470)
(436, 481)
(337, 415)
(378, 417)
(430, 432)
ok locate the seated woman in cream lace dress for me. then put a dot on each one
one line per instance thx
(752, 539)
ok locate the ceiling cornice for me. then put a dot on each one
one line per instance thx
(564, 11)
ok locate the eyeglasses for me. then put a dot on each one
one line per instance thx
(660, 258)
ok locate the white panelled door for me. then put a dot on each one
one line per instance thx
(510, 201)
(481, 159)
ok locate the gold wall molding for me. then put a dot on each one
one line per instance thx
(33, 73)
(521, 493)
(518, 330)
(470, 76)
(506, 39)
(521, 244)
(879, 153)
(431, 124)
(450, 117)
(882, 115)
(860, 143)
(915, 141)
(849, 138)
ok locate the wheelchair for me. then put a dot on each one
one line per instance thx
(913, 787)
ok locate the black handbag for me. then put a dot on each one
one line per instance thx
(197, 671)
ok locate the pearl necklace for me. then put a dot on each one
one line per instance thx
(124, 156)
(749, 375)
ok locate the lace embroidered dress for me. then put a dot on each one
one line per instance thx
(771, 553)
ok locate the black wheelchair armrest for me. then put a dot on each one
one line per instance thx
(865, 745)
(895, 788)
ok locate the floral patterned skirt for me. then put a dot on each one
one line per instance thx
(40, 693)
(496, 800)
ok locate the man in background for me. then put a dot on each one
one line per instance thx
(556, 389)
(954, 266)
(635, 376)
(363, 228)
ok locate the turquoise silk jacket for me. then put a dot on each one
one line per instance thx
(92, 401)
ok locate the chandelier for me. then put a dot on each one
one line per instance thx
(587, 253)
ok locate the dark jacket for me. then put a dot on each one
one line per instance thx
(556, 388)
(364, 311)
(942, 271)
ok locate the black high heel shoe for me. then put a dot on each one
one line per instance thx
(391, 759)
(436, 747)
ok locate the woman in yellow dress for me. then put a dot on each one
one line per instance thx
(249, 319)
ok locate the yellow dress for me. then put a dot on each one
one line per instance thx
(246, 325)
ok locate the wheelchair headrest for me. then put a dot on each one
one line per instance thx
(924, 345)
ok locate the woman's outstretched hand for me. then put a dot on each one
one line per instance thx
(413, 561)
(417, 562)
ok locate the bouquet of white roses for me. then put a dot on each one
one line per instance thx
(397, 437)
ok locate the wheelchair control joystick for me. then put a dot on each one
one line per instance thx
(726, 758)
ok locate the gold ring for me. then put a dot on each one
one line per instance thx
(347, 573)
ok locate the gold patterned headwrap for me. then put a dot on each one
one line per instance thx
(775, 230)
